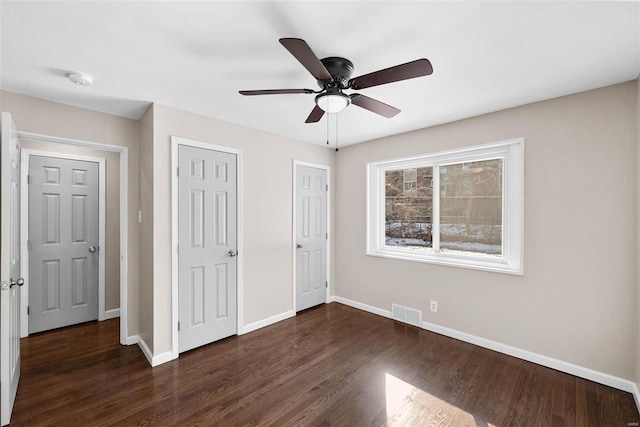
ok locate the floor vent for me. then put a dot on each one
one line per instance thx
(406, 315)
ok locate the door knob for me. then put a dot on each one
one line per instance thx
(299, 245)
(8, 285)
(93, 249)
(232, 253)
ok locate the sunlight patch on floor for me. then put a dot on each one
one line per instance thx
(409, 405)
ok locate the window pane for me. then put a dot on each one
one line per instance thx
(408, 207)
(471, 208)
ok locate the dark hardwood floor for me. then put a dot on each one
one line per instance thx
(331, 365)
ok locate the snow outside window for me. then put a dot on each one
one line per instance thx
(461, 208)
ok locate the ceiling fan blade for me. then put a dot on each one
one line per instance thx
(315, 116)
(274, 91)
(410, 70)
(303, 53)
(373, 105)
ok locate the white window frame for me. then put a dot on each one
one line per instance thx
(512, 259)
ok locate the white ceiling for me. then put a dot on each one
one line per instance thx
(195, 56)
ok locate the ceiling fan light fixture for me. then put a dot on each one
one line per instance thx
(333, 102)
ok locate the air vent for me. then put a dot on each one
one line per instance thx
(406, 315)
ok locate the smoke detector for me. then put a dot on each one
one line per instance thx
(80, 79)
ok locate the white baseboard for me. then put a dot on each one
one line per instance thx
(332, 298)
(111, 314)
(266, 322)
(549, 362)
(569, 368)
(145, 350)
(364, 307)
(636, 395)
(159, 359)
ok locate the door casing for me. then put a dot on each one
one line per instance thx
(297, 163)
(176, 141)
(125, 339)
(26, 160)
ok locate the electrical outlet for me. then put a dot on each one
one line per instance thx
(433, 306)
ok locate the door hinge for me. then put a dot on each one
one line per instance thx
(28, 311)
(326, 236)
(178, 249)
(28, 179)
(28, 245)
(326, 284)
(177, 171)
(178, 326)
(327, 185)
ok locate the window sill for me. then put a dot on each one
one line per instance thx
(451, 261)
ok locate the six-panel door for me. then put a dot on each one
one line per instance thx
(63, 237)
(207, 244)
(10, 266)
(311, 236)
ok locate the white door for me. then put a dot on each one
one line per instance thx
(63, 241)
(311, 236)
(10, 266)
(207, 242)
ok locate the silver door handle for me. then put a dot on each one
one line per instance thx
(93, 249)
(299, 245)
(6, 286)
(232, 253)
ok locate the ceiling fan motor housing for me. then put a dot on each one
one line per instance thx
(340, 69)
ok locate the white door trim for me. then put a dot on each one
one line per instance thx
(297, 163)
(124, 218)
(176, 141)
(24, 226)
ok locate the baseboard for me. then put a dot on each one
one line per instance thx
(549, 362)
(153, 360)
(111, 314)
(364, 307)
(332, 298)
(145, 350)
(161, 358)
(268, 321)
(569, 368)
(636, 395)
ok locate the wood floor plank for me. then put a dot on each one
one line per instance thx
(328, 366)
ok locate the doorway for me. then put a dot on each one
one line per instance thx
(42, 144)
(311, 234)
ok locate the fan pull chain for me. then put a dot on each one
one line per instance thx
(327, 128)
(336, 131)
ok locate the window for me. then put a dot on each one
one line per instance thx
(410, 181)
(461, 208)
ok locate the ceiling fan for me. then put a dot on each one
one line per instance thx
(334, 76)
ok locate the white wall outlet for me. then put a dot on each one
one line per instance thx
(433, 306)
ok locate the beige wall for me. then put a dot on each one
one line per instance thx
(112, 214)
(267, 222)
(145, 303)
(53, 119)
(577, 299)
